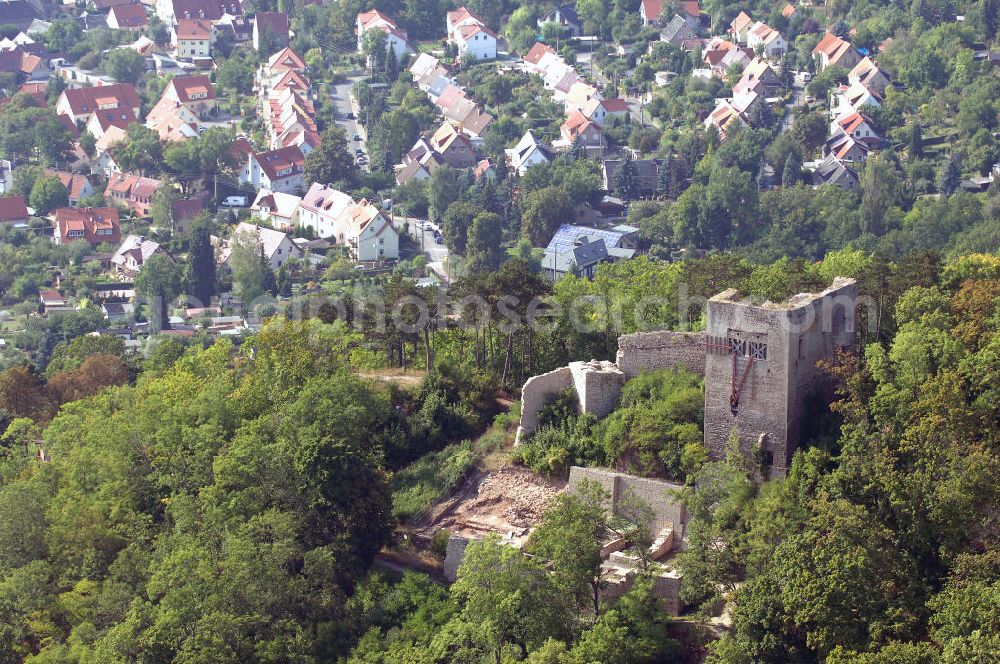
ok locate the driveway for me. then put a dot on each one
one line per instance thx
(437, 254)
(343, 106)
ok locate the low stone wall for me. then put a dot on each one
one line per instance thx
(649, 351)
(661, 496)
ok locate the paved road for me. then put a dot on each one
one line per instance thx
(437, 254)
(341, 95)
(798, 99)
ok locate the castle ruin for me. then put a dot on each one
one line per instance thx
(759, 362)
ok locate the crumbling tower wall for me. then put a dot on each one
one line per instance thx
(761, 371)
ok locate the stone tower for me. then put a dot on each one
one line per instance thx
(760, 367)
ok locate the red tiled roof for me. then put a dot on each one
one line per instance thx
(132, 15)
(273, 161)
(537, 52)
(185, 86)
(615, 105)
(84, 100)
(12, 208)
(95, 225)
(194, 28)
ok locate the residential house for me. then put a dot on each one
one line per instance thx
(788, 10)
(195, 92)
(276, 246)
(396, 38)
(767, 39)
(278, 209)
(276, 170)
(535, 55)
(94, 225)
(132, 255)
(192, 38)
(109, 114)
(185, 211)
(651, 10)
(172, 11)
(852, 98)
(528, 152)
(13, 211)
(20, 13)
(422, 65)
(127, 17)
(645, 178)
(360, 226)
(104, 157)
(270, 31)
(6, 176)
(758, 77)
(578, 127)
(677, 31)
(835, 172)
(725, 118)
(454, 147)
(77, 185)
(604, 110)
(565, 16)
(459, 18)
(134, 191)
(476, 42)
(80, 104)
(23, 65)
(53, 302)
(173, 121)
(832, 50)
(858, 127)
(412, 171)
(739, 28)
(846, 149)
(868, 74)
(580, 93)
(738, 57)
(184, 104)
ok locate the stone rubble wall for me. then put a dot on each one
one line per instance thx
(454, 553)
(649, 351)
(662, 497)
(598, 385)
(534, 393)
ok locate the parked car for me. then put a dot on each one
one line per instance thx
(438, 239)
(357, 137)
(350, 115)
(235, 201)
(806, 77)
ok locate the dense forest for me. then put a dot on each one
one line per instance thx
(225, 504)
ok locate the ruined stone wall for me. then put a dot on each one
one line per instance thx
(648, 351)
(454, 553)
(659, 495)
(536, 390)
(598, 386)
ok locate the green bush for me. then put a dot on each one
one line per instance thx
(439, 542)
(418, 486)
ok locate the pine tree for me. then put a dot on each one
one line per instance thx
(665, 177)
(624, 184)
(201, 274)
(915, 146)
(763, 179)
(950, 176)
(790, 174)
